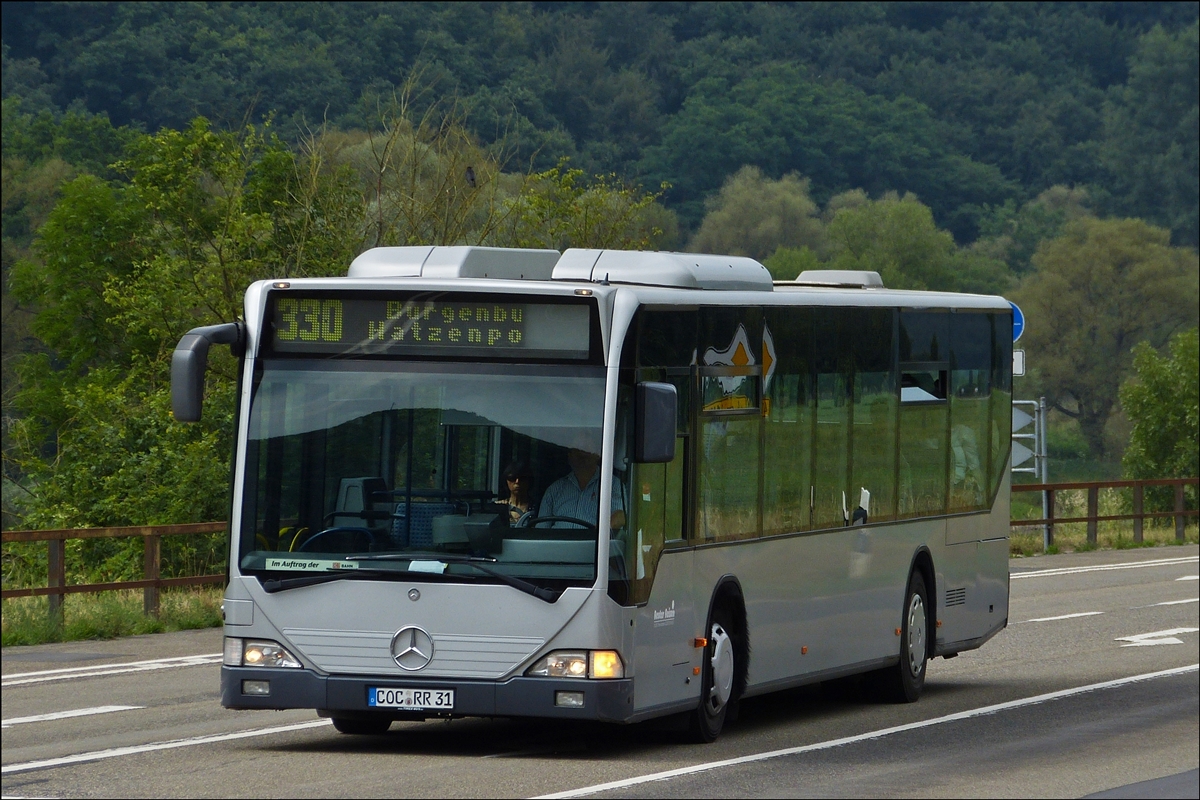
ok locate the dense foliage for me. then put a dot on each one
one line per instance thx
(967, 105)
(1163, 400)
(157, 157)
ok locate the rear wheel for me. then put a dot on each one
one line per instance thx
(716, 687)
(362, 727)
(903, 683)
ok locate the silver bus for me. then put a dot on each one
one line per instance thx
(800, 481)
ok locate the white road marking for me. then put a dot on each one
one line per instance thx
(1066, 616)
(1179, 602)
(79, 712)
(1189, 578)
(96, 670)
(1157, 637)
(862, 737)
(116, 752)
(1162, 562)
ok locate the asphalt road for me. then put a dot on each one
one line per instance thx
(1092, 690)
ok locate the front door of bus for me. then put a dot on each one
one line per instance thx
(665, 623)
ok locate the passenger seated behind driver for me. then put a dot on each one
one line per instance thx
(577, 494)
(518, 479)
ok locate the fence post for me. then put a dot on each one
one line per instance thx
(1093, 512)
(1179, 516)
(56, 577)
(1137, 512)
(1048, 535)
(153, 553)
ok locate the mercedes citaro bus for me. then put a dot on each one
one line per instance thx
(799, 480)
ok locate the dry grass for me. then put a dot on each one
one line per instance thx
(107, 615)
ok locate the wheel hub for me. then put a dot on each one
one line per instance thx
(916, 635)
(722, 668)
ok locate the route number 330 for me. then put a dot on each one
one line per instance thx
(310, 320)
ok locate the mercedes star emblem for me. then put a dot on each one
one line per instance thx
(412, 648)
(414, 594)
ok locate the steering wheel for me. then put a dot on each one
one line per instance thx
(535, 521)
(523, 520)
(341, 529)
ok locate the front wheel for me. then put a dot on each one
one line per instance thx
(903, 683)
(716, 687)
(361, 727)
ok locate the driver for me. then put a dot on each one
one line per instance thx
(577, 494)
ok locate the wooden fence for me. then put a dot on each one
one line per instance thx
(1138, 515)
(56, 583)
(56, 587)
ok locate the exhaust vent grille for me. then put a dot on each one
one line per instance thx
(956, 597)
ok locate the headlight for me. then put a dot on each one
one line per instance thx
(597, 664)
(262, 653)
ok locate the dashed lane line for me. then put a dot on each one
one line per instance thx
(98, 670)
(79, 712)
(1161, 562)
(1066, 616)
(117, 752)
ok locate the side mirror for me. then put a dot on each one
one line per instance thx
(655, 409)
(190, 361)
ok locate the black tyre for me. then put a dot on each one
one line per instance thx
(362, 727)
(718, 671)
(903, 683)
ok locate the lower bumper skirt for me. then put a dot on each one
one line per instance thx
(345, 696)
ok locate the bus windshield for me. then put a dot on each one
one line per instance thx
(387, 464)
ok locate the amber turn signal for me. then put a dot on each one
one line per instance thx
(699, 641)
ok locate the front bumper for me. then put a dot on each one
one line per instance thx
(341, 695)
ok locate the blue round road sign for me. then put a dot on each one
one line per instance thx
(1018, 321)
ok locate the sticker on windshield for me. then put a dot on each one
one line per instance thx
(309, 564)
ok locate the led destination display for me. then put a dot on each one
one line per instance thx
(357, 325)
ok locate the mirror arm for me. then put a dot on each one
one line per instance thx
(190, 361)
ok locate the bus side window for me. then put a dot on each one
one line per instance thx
(834, 371)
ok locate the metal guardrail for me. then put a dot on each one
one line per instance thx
(56, 587)
(1050, 490)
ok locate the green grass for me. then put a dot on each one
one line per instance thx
(107, 615)
(1072, 538)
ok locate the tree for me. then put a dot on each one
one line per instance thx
(754, 216)
(123, 269)
(1162, 399)
(1098, 290)
(1150, 145)
(558, 209)
(894, 236)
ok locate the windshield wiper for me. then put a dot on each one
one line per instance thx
(273, 585)
(541, 593)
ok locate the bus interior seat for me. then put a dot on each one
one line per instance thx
(417, 530)
(353, 495)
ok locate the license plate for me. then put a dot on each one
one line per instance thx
(417, 699)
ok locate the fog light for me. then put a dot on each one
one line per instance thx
(568, 699)
(256, 687)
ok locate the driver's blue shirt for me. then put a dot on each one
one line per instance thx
(564, 498)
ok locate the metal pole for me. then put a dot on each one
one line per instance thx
(1040, 427)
